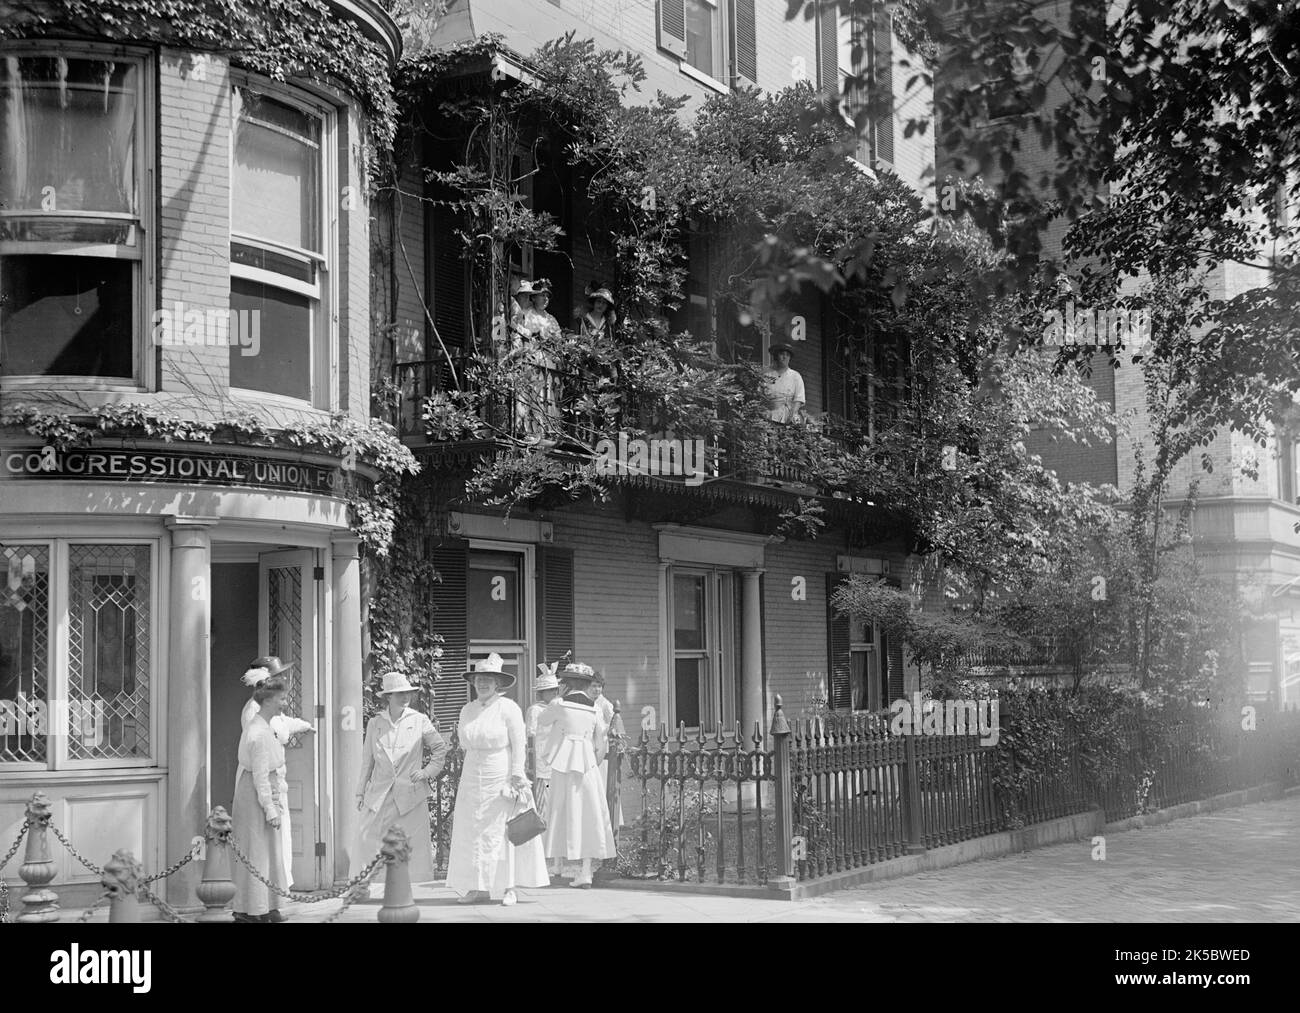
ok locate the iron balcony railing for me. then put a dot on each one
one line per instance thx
(551, 400)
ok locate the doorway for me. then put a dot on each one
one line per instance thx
(267, 603)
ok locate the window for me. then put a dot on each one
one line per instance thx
(715, 39)
(72, 222)
(279, 264)
(76, 653)
(704, 38)
(704, 630)
(867, 689)
(497, 598)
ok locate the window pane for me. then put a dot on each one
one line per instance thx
(688, 612)
(67, 134)
(493, 591)
(66, 316)
(275, 185)
(276, 358)
(108, 651)
(702, 37)
(24, 651)
(687, 684)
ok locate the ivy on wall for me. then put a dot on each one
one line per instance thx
(370, 444)
(283, 39)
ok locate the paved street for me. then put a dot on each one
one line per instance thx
(1234, 865)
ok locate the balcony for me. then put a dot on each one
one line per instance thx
(777, 458)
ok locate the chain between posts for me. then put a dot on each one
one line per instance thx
(354, 894)
(4, 890)
(305, 898)
(172, 870)
(85, 915)
(74, 852)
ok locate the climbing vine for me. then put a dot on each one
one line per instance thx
(284, 39)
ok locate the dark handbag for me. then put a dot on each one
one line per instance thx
(523, 827)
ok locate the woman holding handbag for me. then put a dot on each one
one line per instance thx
(577, 815)
(493, 790)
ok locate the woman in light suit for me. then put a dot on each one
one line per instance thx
(395, 781)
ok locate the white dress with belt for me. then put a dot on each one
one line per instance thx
(482, 858)
(577, 816)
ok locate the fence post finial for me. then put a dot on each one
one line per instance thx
(399, 903)
(780, 730)
(120, 878)
(37, 870)
(216, 890)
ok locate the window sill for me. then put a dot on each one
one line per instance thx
(705, 79)
(50, 383)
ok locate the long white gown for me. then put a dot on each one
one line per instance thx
(482, 857)
(284, 728)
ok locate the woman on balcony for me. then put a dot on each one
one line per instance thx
(577, 816)
(785, 389)
(597, 324)
(492, 787)
(537, 333)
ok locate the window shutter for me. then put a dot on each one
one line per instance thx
(835, 366)
(837, 641)
(891, 651)
(744, 41)
(447, 598)
(555, 633)
(883, 60)
(828, 52)
(449, 270)
(672, 26)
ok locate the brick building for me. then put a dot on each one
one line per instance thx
(147, 189)
(1243, 525)
(682, 596)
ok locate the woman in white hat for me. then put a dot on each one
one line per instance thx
(261, 810)
(599, 320)
(537, 722)
(492, 789)
(283, 727)
(395, 781)
(577, 815)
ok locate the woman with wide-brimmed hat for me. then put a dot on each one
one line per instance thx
(283, 726)
(599, 320)
(395, 781)
(577, 815)
(785, 390)
(492, 789)
(537, 722)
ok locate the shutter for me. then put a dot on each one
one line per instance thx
(828, 52)
(555, 633)
(450, 620)
(672, 26)
(448, 268)
(744, 41)
(882, 42)
(891, 651)
(837, 642)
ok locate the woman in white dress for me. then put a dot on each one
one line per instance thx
(261, 809)
(606, 710)
(492, 784)
(284, 727)
(537, 722)
(395, 781)
(577, 817)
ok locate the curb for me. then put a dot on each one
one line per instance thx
(1228, 800)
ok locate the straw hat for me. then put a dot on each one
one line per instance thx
(576, 670)
(541, 286)
(525, 288)
(780, 346)
(547, 679)
(601, 293)
(263, 668)
(493, 664)
(396, 682)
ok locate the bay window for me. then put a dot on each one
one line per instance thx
(72, 215)
(279, 263)
(77, 650)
